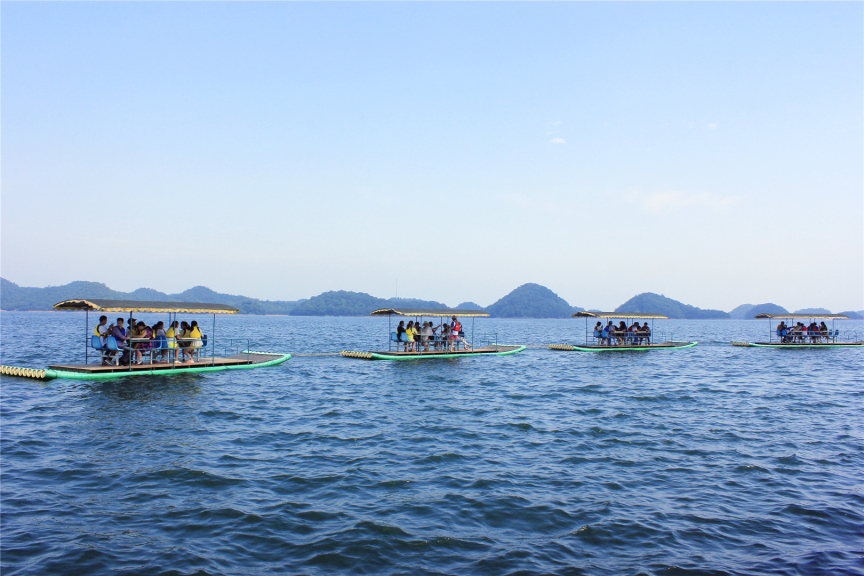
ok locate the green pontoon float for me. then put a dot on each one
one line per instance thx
(435, 345)
(160, 355)
(791, 337)
(615, 340)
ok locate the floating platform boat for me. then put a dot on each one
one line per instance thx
(106, 351)
(603, 340)
(97, 372)
(436, 345)
(389, 355)
(793, 339)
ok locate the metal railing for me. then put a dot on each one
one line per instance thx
(833, 336)
(622, 338)
(439, 342)
(167, 351)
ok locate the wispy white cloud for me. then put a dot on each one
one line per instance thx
(558, 141)
(670, 201)
(712, 126)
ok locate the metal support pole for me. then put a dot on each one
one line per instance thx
(86, 336)
(213, 342)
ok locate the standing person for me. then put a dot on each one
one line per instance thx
(455, 330)
(598, 332)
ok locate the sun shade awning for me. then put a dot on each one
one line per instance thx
(140, 306)
(801, 315)
(622, 315)
(427, 312)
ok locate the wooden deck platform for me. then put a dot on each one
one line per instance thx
(236, 360)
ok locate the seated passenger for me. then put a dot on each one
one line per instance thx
(102, 329)
(781, 331)
(160, 339)
(645, 333)
(823, 331)
(621, 332)
(436, 338)
(598, 330)
(632, 333)
(120, 335)
(410, 331)
(184, 341)
(400, 330)
(813, 331)
(426, 335)
(171, 335)
(138, 341)
(195, 340)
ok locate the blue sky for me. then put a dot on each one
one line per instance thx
(712, 152)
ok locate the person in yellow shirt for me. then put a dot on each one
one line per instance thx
(196, 339)
(172, 334)
(410, 331)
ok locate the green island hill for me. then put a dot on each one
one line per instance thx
(531, 301)
(660, 304)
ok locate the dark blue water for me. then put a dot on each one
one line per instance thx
(712, 460)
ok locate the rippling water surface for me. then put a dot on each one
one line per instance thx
(711, 460)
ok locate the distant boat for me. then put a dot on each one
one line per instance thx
(603, 340)
(238, 354)
(437, 345)
(790, 337)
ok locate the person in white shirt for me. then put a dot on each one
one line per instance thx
(426, 335)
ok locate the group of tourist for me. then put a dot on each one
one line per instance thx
(137, 341)
(800, 332)
(415, 335)
(621, 334)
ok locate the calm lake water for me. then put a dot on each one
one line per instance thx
(711, 460)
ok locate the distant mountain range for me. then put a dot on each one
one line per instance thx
(14, 297)
(526, 301)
